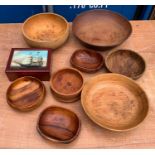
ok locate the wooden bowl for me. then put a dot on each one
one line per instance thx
(87, 60)
(126, 62)
(25, 93)
(101, 29)
(66, 84)
(58, 124)
(45, 30)
(114, 102)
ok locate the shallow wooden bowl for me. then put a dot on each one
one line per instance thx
(87, 60)
(66, 84)
(114, 102)
(25, 93)
(45, 30)
(101, 29)
(58, 124)
(126, 62)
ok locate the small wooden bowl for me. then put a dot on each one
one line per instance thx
(45, 30)
(66, 84)
(101, 29)
(25, 93)
(87, 60)
(58, 124)
(126, 62)
(114, 102)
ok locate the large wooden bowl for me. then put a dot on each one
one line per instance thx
(25, 93)
(87, 60)
(101, 29)
(45, 30)
(126, 62)
(114, 102)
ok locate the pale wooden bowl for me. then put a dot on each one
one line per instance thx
(114, 102)
(45, 30)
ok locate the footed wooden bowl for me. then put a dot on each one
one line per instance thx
(58, 124)
(114, 102)
(87, 60)
(126, 62)
(66, 84)
(101, 29)
(45, 30)
(25, 93)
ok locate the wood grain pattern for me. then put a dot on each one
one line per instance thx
(58, 124)
(126, 62)
(87, 60)
(141, 40)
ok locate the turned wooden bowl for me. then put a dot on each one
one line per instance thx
(87, 60)
(25, 93)
(126, 62)
(101, 29)
(66, 84)
(114, 102)
(58, 124)
(45, 30)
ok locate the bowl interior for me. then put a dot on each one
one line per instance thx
(126, 62)
(101, 28)
(114, 102)
(88, 60)
(25, 93)
(45, 27)
(67, 81)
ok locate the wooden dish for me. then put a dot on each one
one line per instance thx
(66, 84)
(45, 30)
(126, 62)
(101, 29)
(58, 124)
(25, 93)
(114, 102)
(87, 60)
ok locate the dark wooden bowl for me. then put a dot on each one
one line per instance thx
(58, 124)
(87, 60)
(126, 62)
(25, 93)
(114, 102)
(101, 29)
(66, 84)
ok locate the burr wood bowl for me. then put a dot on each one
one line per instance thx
(46, 30)
(25, 93)
(66, 84)
(58, 124)
(114, 102)
(126, 62)
(101, 29)
(87, 60)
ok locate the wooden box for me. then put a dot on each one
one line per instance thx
(34, 62)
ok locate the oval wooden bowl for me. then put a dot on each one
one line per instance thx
(101, 29)
(45, 30)
(58, 124)
(66, 84)
(126, 62)
(114, 102)
(25, 93)
(87, 60)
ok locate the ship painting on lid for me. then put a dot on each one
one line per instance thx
(29, 59)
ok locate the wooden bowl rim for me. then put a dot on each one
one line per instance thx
(131, 51)
(104, 126)
(54, 14)
(33, 107)
(71, 69)
(84, 69)
(55, 140)
(106, 11)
